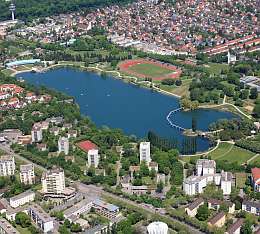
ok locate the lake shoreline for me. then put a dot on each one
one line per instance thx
(127, 79)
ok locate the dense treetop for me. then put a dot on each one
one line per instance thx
(29, 9)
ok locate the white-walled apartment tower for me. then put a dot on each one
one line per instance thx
(53, 181)
(27, 175)
(205, 167)
(63, 145)
(7, 165)
(93, 158)
(36, 134)
(145, 152)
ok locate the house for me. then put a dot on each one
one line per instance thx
(235, 227)
(255, 179)
(192, 209)
(6, 227)
(218, 220)
(72, 133)
(41, 147)
(215, 205)
(21, 199)
(252, 207)
(153, 166)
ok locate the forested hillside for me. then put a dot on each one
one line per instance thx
(29, 9)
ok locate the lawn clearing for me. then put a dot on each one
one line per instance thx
(216, 68)
(255, 160)
(240, 180)
(231, 153)
(222, 149)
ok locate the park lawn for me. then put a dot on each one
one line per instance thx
(216, 68)
(221, 150)
(255, 160)
(182, 90)
(150, 70)
(7, 72)
(233, 154)
(22, 230)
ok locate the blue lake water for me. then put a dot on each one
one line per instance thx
(116, 104)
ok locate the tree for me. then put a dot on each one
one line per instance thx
(256, 111)
(160, 186)
(194, 124)
(203, 213)
(75, 227)
(253, 93)
(22, 219)
(144, 170)
(246, 228)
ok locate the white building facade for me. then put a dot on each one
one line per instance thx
(36, 134)
(144, 151)
(63, 145)
(53, 181)
(22, 199)
(93, 158)
(7, 165)
(27, 175)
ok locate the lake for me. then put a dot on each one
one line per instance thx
(111, 102)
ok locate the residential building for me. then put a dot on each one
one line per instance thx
(36, 134)
(194, 184)
(7, 165)
(27, 175)
(157, 228)
(6, 227)
(235, 227)
(93, 158)
(192, 209)
(255, 179)
(53, 181)
(226, 182)
(218, 220)
(108, 210)
(77, 209)
(63, 145)
(41, 218)
(153, 166)
(215, 205)
(99, 229)
(252, 207)
(205, 167)
(21, 199)
(144, 151)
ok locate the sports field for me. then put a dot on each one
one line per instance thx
(148, 68)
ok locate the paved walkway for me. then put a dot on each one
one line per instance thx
(251, 159)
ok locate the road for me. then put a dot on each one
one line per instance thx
(149, 208)
(95, 191)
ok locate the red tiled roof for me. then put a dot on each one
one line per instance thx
(87, 145)
(256, 174)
